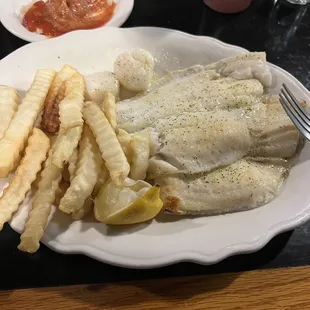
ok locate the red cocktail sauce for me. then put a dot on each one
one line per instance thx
(39, 18)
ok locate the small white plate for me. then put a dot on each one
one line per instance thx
(167, 239)
(10, 17)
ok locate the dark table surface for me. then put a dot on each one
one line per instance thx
(283, 31)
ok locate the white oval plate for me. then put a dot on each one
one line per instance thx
(10, 17)
(168, 239)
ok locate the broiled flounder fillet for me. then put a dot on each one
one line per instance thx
(201, 141)
(280, 136)
(244, 66)
(228, 84)
(204, 123)
(253, 116)
(192, 93)
(201, 149)
(243, 185)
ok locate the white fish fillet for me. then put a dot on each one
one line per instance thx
(280, 137)
(191, 93)
(253, 116)
(228, 84)
(244, 66)
(241, 186)
(203, 148)
(201, 141)
(203, 124)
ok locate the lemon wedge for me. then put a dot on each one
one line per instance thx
(134, 203)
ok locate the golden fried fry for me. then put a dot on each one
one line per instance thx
(125, 139)
(109, 108)
(22, 123)
(86, 174)
(140, 147)
(102, 178)
(70, 108)
(71, 121)
(41, 207)
(9, 101)
(60, 192)
(73, 161)
(36, 182)
(85, 210)
(25, 174)
(65, 145)
(50, 118)
(111, 150)
(69, 169)
(89, 203)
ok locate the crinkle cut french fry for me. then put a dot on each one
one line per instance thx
(60, 192)
(53, 140)
(50, 121)
(109, 106)
(71, 120)
(125, 139)
(85, 210)
(88, 205)
(50, 118)
(70, 108)
(104, 175)
(111, 150)
(73, 161)
(86, 175)
(23, 121)
(140, 147)
(66, 143)
(41, 207)
(63, 75)
(69, 169)
(9, 101)
(25, 174)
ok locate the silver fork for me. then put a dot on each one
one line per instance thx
(297, 115)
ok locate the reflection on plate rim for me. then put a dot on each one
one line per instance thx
(7, 17)
(193, 256)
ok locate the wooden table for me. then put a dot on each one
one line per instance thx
(283, 288)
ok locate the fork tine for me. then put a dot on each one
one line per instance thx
(296, 105)
(299, 124)
(292, 108)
